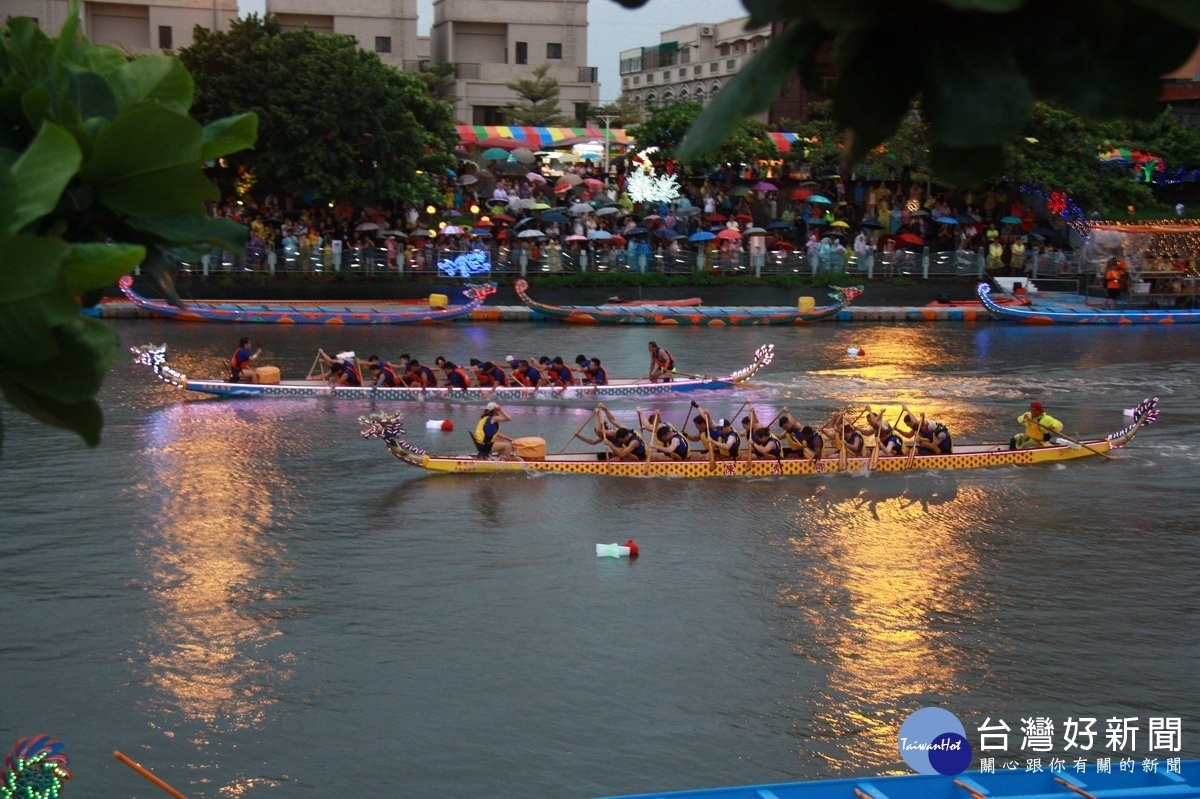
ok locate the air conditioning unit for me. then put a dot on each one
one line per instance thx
(706, 30)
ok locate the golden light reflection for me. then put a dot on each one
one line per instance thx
(891, 578)
(215, 493)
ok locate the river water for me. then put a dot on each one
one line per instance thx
(251, 600)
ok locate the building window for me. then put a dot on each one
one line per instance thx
(731, 65)
(554, 50)
(737, 49)
(685, 55)
(581, 113)
(522, 52)
(165, 37)
(383, 44)
(696, 70)
(624, 83)
(712, 67)
(683, 73)
(637, 79)
(666, 74)
(649, 78)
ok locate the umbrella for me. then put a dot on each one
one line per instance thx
(555, 217)
(910, 238)
(484, 176)
(1011, 220)
(590, 156)
(636, 231)
(966, 219)
(571, 179)
(946, 220)
(784, 245)
(607, 210)
(418, 232)
(485, 222)
(395, 233)
(817, 198)
(467, 180)
(461, 153)
(816, 220)
(690, 210)
(600, 235)
(531, 234)
(779, 225)
(581, 208)
(729, 233)
(801, 194)
(920, 212)
(452, 212)
(618, 240)
(367, 226)
(716, 218)
(754, 231)
(452, 230)
(503, 218)
(540, 206)
(526, 222)
(667, 233)
(481, 232)
(523, 155)
(840, 223)
(740, 191)
(562, 188)
(764, 185)
(703, 235)
(576, 237)
(871, 223)
(509, 168)
(592, 183)
(651, 218)
(744, 218)
(534, 177)
(524, 203)
(494, 154)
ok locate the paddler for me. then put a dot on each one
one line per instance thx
(239, 364)
(1040, 428)
(487, 436)
(661, 363)
(928, 436)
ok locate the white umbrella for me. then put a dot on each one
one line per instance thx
(612, 209)
(582, 208)
(452, 230)
(524, 155)
(754, 231)
(571, 179)
(531, 234)
(467, 180)
(367, 226)
(599, 234)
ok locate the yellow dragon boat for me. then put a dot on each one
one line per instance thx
(389, 428)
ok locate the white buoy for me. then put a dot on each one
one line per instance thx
(611, 551)
(1129, 412)
(434, 424)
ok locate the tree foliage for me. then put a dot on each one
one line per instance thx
(538, 103)
(977, 66)
(100, 168)
(334, 120)
(669, 125)
(626, 111)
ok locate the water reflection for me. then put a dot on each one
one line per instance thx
(213, 491)
(885, 593)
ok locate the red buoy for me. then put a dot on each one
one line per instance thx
(861, 352)
(633, 547)
(447, 425)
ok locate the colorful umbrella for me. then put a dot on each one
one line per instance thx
(599, 235)
(729, 233)
(534, 177)
(452, 230)
(840, 223)
(910, 238)
(1011, 220)
(592, 183)
(494, 154)
(801, 194)
(576, 237)
(764, 185)
(703, 235)
(946, 220)
(817, 198)
(716, 218)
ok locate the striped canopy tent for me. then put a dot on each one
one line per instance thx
(537, 138)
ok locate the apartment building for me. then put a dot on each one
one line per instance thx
(496, 42)
(387, 27)
(690, 62)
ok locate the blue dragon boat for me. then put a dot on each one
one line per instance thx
(1039, 315)
(1067, 783)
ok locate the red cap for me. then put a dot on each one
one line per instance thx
(1036, 407)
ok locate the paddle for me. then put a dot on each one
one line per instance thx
(916, 444)
(591, 416)
(1060, 434)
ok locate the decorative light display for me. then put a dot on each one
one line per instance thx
(762, 358)
(1061, 204)
(468, 264)
(644, 186)
(155, 356)
(1147, 408)
(36, 769)
(390, 427)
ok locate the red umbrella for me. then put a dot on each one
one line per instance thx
(744, 218)
(910, 238)
(801, 194)
(717, 218)
(729, 233)
(503, 218)
(562, 188)
(592, 183)
(618, 240)
(485, 222)
(783, 245)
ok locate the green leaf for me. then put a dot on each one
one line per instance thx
(41, 175)
(966, 166)
(871, 97)
(94, 266)
(229, 135)
(845, 16)
(35, 104)
(83, 418)
(27, 327)
(103, 60)
(29, 266)
(86, 348)
(171, 190)
(156, 78)
(144, 141)
(192, 227)
(754, 88)
(90, 93)
(1183, 12)
(990, 6)
(29, 50)
(974, 93)
(763, 12)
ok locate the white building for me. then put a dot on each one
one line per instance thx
(496, 42)
(690, 63)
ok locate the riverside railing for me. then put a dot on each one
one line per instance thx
(521, 261)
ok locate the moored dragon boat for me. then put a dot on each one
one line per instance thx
(155, 357)
(301, 312)
(686, 315)
(390, 429)
(1019, 783)
(1041, 315)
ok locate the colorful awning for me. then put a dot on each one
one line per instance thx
(783, 141)
(538, 138)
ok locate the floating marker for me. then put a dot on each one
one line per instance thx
(612, 551)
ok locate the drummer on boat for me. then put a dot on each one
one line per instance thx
(487, 436)
(239, 364)
(1040, 429)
